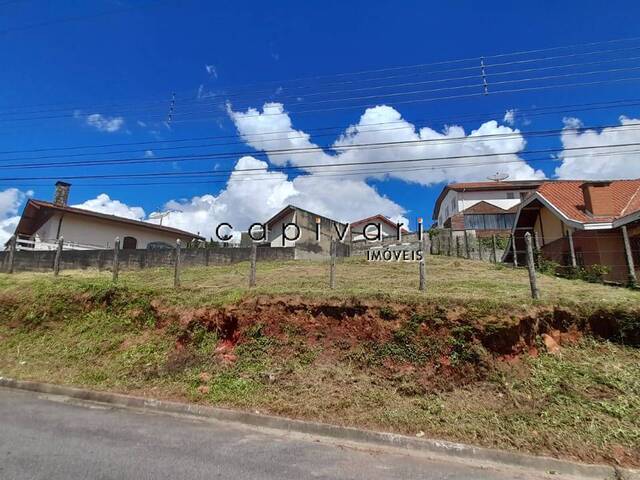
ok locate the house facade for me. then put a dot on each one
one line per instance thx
(371, 225)
(281, 232)
(43, 223)
(484, 208)
(584, 223)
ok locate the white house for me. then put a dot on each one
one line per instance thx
(486, 207)
(43, 223)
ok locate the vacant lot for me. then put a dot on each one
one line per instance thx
(473, 359)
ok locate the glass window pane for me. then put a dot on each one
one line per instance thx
(474, 222)
(509, 219)
(492, 222)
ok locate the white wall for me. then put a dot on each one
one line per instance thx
(448, 207)
(387, 231)
(275, 231)
(101, 233)
(498, 198)
(464, 200)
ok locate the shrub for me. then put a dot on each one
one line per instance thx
(548, 267)
(501, 242)
(594, 273)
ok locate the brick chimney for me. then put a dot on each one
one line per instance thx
(598, 199)
(61, 196)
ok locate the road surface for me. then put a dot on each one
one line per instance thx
(54, 437)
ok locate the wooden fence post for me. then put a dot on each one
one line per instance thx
(467, 247)
(572, 250)
(515, 252)
(450, 249)
(633, 281)
(176, 271)
(116, 260)
(535, 293)
(458, 248)
(332, 264)
(252, 267)
(56, 260)
(12, 253)
(494, 247)
(479, 247)
(536, 246)
(422, 267)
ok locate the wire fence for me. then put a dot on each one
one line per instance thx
(562, 255)
(607, 257)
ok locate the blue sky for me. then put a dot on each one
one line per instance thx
(111, 64)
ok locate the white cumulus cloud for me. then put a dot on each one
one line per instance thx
(610, 162)
(104, 204)
(337, 192)
(423, 156)
(244, 201)
(11, 200)
(250, 197)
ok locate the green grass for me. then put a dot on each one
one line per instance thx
(449, 281)
(140, 337)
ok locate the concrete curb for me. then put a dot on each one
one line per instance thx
(457, 451)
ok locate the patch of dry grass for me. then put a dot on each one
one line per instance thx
(449, 281)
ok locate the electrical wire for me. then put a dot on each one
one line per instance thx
(533, 112)
(227, 95)
(307, 150)
(323, 165)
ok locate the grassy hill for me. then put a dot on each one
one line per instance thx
(472, 359)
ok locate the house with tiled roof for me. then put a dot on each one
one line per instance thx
(483, 208)
(580, 223)
(43, 223)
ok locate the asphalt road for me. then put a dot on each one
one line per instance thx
(53, 437)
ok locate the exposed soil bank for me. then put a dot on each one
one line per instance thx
(442, 348)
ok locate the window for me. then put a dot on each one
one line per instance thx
(453, 204)
(500, 221)
(129, 243)
(523, 195)
(474, 222)
(511, 195)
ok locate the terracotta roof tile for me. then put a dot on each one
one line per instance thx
(567, 196)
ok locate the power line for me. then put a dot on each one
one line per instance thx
(158, 108)
(178, 115)
(475, 67)
(80, 17)
(268, 176)
(325, 165)
(538, 111)
(318, 149)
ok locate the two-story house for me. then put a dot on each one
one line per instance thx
(486, 208)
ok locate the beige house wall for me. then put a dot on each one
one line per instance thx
(549, 228)
(101, 233)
